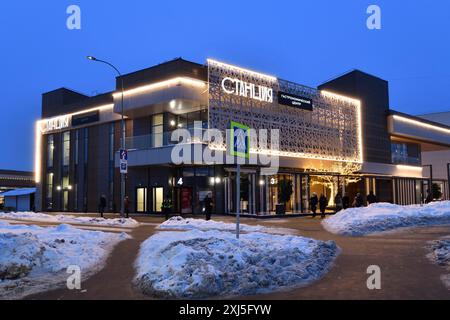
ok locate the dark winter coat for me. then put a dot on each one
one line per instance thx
(323, 201)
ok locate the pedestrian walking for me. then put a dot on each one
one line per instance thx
(323, 201)
(371, 198)
(207, 201)
(358, 201)
(338, 202)
(102, 205)
(126, 206)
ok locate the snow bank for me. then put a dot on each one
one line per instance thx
(380, 217)
(198, 264)
(440, 254)
(34, 259)
(200, 224)
(42, 217)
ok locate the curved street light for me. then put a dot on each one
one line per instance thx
(122, 123)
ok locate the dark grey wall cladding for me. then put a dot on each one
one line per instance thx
(374, 95)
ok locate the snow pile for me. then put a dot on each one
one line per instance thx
(440, 254)
(198, 264)
(380, 217)
(42, 217)
(34, 259)
(200, 224)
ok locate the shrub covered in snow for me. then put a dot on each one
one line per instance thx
(440, 254)
(380, 217)
(197, 264)
(62, 218)
(178, 222)
(31, 253)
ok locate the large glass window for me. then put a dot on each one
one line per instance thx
(66, 148)
(141, 200)
(405, 153)
(157, 130)
(157, 199)
(49, 190)
(50, 149)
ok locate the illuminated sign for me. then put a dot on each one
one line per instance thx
(239, 144)
(56, 123)
(292, 100)
(246, 89)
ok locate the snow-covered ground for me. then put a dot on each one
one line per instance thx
(42, 217)
(199, 264)
(440, 254)
(34, 259)
(381, 217)
(200, 224)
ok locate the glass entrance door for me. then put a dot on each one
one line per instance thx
(157, 197)
(141, 200)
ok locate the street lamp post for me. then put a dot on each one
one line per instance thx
(122, 124)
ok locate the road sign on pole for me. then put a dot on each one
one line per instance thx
(239, 146)
(123, 153)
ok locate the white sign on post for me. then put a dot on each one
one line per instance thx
(123, 160)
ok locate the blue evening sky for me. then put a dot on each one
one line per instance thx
(307, 42)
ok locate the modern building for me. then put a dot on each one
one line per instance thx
(19, 199)
(13, 179)
(340, 137)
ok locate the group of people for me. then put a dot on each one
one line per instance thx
(341, 202)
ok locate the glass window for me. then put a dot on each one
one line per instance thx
(49, 190)
(157, 199)
(86, 145)
(50, 149)
(77, 134)
(66, 148)
(157, 130)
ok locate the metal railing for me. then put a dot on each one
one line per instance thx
(158, 140)
(405, 160)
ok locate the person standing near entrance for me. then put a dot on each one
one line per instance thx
(338, 202)
(322, 205)
(358, 202)
(208, 206)
(313, 201)
(345, 201)
(102, 205)
(371, 198)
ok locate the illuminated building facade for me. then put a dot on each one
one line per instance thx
(338, 138)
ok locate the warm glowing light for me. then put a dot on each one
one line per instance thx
(253, 73)
(69, 187)
(261, 182)
(58, 188)
(163, 84)
(37, 152)
(279, 153)
(406, 167)
(60, 124)
(217, 179)
(421, 124)
(172, 123)
(358, 110)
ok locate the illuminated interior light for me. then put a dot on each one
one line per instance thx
(406, 167)
(261, 182)
(37, 152)
(230, 66)
(172, 123)
(163, 84)
(217, 180)
(421, 124)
